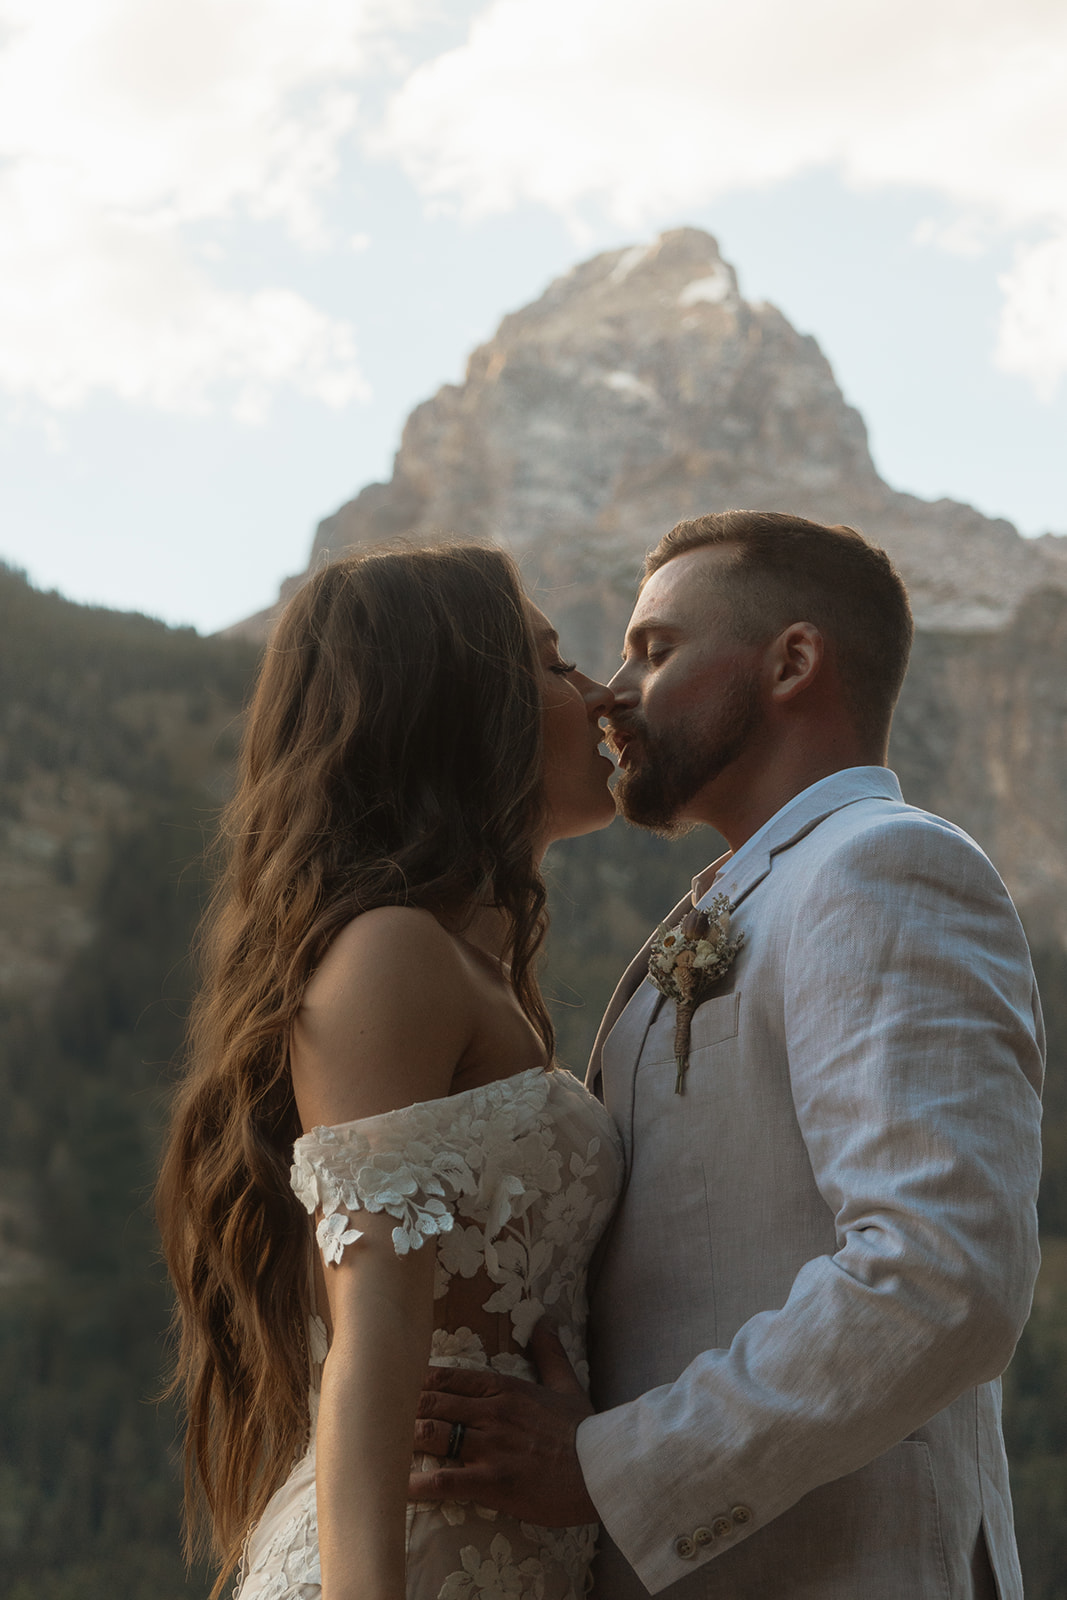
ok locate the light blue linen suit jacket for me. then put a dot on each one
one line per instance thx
(826, 1247)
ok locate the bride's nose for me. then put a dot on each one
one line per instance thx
(597, 696)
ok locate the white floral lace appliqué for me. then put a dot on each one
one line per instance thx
(465, 1170)
(509, 1198)
(496, 1576)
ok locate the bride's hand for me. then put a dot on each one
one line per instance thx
(518, 1452)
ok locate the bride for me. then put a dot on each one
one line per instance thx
(372, 1163)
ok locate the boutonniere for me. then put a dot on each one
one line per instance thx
(686, 962)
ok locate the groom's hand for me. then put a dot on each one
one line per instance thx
(518, 1454)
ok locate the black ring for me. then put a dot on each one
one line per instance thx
(455, 1441)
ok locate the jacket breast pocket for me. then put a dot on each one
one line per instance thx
(713, 1024)
(717, 1019)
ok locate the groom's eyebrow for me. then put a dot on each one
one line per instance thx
(645, 626)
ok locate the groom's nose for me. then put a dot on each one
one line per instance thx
(626, 692)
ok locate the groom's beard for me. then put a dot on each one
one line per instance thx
(667, 770)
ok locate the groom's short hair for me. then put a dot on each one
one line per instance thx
(791, 570)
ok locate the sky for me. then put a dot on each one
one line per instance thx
(241, 239)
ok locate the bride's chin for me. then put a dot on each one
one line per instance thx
(577, 826)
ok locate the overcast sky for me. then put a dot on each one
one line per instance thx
(240, 239)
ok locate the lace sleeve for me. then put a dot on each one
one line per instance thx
(415, 1163)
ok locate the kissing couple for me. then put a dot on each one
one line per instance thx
(744, 1299)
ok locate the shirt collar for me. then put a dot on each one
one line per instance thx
(741, 869)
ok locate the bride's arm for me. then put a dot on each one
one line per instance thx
(381, 1307)
(384, 1023)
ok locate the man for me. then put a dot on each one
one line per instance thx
(826, 1246)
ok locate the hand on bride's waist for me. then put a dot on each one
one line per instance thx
(506, 1442)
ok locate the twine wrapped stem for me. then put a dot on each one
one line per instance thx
(681, 1042)
(695, 926)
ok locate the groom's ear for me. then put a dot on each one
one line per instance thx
(794, 661)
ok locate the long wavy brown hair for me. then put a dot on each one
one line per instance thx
(392, 756)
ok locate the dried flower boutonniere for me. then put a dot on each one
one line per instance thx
(686, 962)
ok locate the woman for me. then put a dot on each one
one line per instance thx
(414, 744)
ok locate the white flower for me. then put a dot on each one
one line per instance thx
(570, 1548)
(455, 1171)
(385, 1182)
(333, 1234)
(566, 1215)
(537, 1164)
(461, 1251)
(312, 1184)
(511, 1365)
(424, 1224)
(494, 1577)
(449, 1349)
(524, 1318)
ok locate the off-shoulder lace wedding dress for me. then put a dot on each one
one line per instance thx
(516, 1180)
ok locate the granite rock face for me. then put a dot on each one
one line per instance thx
(980, 736)
(642, 388)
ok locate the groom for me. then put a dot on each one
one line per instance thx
(826, 1246)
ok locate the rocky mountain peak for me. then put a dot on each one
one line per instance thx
(641, 388)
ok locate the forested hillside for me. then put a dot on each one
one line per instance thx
(116, 738)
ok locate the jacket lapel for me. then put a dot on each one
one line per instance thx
(635, 1004)
(625, 990)
(620, 1040)
(792, 824)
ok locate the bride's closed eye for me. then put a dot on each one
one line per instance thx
(563, 667)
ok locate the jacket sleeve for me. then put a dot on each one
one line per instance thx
(914, 1045)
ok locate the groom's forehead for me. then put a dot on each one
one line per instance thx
(684, 591)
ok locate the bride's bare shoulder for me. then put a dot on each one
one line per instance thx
(377, 939)
(385, 1019)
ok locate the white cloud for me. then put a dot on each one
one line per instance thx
(94, 300)
(650, 107)
(123, 123)
(1033, 327)
(129, 127)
